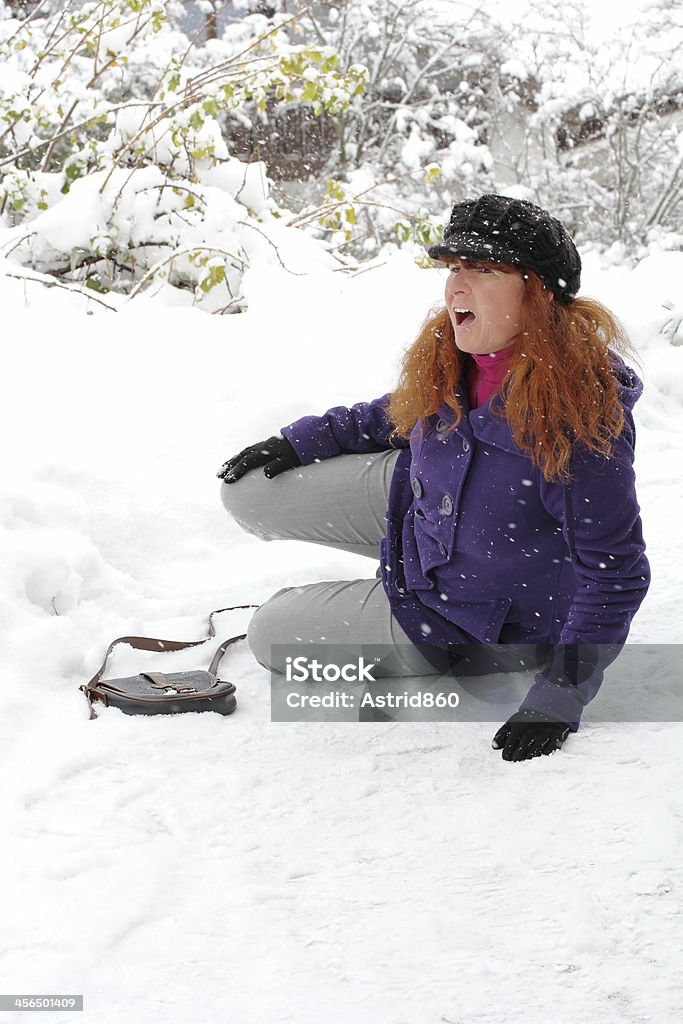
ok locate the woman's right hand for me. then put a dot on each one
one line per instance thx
(275, 455)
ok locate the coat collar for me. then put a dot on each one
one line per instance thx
(495, 430)
(480, 424)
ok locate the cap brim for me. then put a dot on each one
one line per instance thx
(474, 250)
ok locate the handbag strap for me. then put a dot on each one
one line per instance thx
(148, 643)
(221, 650)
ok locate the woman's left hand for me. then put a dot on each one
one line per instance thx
(275, 455)
(529, 734)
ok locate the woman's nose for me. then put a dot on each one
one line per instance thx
(457, 284)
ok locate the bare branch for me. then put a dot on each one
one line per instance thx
(52, 282)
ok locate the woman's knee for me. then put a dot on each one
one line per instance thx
(245, 500)
(266, 628)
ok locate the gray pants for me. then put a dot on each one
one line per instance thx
(340, 503)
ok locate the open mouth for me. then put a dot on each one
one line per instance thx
(464, 317)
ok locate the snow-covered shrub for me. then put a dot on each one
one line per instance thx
(114, 168)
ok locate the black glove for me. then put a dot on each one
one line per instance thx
(275, 455)
(529, 734)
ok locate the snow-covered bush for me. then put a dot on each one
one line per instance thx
(119, 154)
(114, 168)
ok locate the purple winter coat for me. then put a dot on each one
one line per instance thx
(481, 549)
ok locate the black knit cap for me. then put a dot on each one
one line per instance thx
(505, 230)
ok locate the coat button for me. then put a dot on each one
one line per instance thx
(465, 446)
(442, 425)
(399, 588)
(443, 550)
(417, 488)
(446, 505)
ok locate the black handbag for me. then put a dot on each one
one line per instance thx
(166, 693)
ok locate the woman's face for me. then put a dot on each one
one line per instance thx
(484, 304)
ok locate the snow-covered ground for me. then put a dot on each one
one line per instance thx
(199, 868)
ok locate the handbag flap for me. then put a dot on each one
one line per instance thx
(165, 685)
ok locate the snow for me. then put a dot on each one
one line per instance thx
(200, 868)
(598, 19)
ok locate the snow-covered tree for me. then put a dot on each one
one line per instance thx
(416, 138)
(604, 144)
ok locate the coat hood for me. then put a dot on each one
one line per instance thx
(630, 384)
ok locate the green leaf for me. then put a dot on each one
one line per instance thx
(96, 285)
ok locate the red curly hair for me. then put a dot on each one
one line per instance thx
(561, 358)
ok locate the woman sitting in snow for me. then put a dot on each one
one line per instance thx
(501, 490)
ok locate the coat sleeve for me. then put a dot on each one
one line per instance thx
(363, 427)
(600, 518)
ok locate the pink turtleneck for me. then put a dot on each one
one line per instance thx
(485, 373)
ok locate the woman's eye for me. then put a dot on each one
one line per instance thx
(485, 270)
